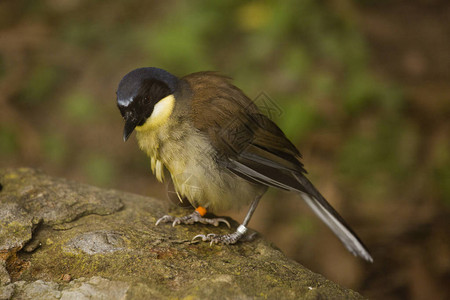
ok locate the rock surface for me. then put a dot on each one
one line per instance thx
(65, 240)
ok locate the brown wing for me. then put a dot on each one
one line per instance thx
(253, 147)
(236, 127)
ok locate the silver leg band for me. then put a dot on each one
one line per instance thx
(242, 229)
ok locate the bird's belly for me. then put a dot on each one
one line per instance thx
(191, 163)
(198, 177)
(205, 184)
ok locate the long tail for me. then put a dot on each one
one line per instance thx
(332, 219)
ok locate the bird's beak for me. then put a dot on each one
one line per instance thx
(130, 124)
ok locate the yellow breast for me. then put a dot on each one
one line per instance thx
(149, 134)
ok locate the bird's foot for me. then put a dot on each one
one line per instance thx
(213, 238)
(195, 217)
(227, 239)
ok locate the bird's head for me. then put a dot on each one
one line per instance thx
(145, 98)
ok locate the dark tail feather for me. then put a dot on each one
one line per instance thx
(332, 219)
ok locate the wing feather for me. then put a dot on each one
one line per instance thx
(251, 146)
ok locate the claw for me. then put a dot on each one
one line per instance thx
(223, 221)
(195, 217)
(164, 219)
(202, 236)
(215, 239)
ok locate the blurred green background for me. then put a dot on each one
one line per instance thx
(361, 87)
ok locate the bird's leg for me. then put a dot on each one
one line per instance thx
(231, 238)
(195, 217)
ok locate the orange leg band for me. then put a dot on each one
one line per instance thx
(201, 210)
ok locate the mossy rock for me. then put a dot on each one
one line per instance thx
(65, 240)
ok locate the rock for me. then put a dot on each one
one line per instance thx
(4, 275)
(95, 288)
(80, 289)
(66, 277)
(6, 292)
(32, 245)
(96, 242)
(29, 198)
(16, 224)
(107, 244)
(36, 290)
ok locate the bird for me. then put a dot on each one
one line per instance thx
(217, 150)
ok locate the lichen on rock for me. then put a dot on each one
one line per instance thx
(89, 240)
